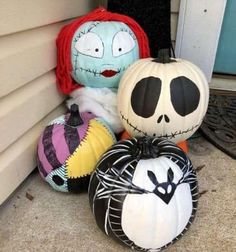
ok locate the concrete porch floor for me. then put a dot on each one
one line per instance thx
(53, 221)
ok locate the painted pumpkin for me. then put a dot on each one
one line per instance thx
(101, 52)
(96, 49)
(69, 149)
(143, 193)
(163, 97)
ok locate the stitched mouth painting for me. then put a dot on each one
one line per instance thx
(167, 135)
(95, 50)
(101, 52)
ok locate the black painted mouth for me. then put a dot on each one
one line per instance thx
(169, 136)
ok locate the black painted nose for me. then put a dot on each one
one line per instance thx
(166, 118)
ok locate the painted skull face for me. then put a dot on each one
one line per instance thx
(163, 100)
(101, 52)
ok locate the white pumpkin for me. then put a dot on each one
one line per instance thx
(162, 98)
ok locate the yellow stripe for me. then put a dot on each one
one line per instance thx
(83, 161)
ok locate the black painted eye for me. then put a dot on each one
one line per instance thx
(57, 180)
(145, 96)
(185, 95)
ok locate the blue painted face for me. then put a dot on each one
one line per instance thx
(101, 52)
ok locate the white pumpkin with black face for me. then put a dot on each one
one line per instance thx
(163, 99)
(144, 193)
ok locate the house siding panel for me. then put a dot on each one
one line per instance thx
(27, 14)
(23, 108)
(26, 55)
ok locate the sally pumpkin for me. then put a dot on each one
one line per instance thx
(163, 97)
(69, 148)
(93, 53)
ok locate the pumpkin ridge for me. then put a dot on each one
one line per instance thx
(106, 127)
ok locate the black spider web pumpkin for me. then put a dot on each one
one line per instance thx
(143, 193)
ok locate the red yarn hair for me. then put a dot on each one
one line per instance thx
(65, 82)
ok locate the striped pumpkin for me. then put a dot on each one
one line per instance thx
(69, 149)
(143, 193)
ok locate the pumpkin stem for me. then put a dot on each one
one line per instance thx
(75, 119)
(145, 149)
(163, 56)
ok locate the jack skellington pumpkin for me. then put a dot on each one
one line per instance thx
(163, 97)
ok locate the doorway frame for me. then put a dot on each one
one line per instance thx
(198, 32)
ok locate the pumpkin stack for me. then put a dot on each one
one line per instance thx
(93, 53)
(144, 191)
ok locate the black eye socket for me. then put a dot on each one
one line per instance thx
(145, 96)
(58, 180)
(185, 95)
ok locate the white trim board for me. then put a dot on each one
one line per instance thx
(198, 32)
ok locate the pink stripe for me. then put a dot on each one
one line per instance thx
(82, 129)
(43, 159)
(59, 142)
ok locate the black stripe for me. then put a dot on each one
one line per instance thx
(78, 185)
(49, 149)
(71, 137)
